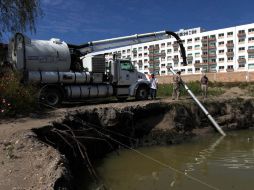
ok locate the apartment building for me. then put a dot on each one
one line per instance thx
(223, 50)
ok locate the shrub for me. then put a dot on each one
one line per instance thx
(15, 98)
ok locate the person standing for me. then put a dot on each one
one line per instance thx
(176, 85)
(153, 87)
(204, 85)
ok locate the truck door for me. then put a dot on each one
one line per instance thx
(127, 73)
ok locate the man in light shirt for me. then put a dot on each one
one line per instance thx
(153, 86)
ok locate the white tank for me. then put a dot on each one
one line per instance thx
(59, 77)
(40, 55)
(89, 91)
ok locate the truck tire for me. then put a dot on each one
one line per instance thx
(142, 93)
(51, 97)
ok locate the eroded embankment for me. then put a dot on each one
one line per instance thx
(92, 133)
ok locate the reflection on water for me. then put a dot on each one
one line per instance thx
(224, 163)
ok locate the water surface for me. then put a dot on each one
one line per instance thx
(209, 162)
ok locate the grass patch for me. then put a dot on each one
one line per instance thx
(165, 90)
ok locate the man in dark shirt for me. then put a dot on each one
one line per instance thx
(204, 85)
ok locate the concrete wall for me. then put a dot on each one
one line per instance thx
(244, 76)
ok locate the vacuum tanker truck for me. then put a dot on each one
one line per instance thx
(67, 72)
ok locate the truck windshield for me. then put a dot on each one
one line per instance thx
(126, 65)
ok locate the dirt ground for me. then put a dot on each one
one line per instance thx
(28, 164)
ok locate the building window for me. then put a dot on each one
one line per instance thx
(230, 59)
(241, 31)
(221, 59)
(250, 56)
(189, 62)
(128, 50)
(145, 54)
(241, 48)
(197, 61)
(230, 34)
(221, 67)
(169, 50)
(124, 51)
(140, 49)
(197, 54)
(241, 65)
(140, 55)
(241, 40)
(146, 61)
(230, 50)
(189, 40)
(169, 58)
(197, 39)
(241, 57)
(163, 45)
(197, 69)
(189, 70)
(197, 46)
(145, 47)
(230, 67)
(251, 30)
(146, 67)
(251, 47)
(175, 49)
(189, 48)
(251, 39)
(169, 44)
(221, 43)
(221, 35)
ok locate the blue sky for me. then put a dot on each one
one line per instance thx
(79, 21)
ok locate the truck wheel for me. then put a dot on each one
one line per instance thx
(142, 93)
(51, 97)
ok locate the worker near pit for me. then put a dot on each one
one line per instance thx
(204, 85)
(176, 85)
(153, 86)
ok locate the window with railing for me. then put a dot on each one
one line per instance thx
(197, 39)
(251, 39)
(221, 35)
(251, 30)
(229, 34)
(241, 48)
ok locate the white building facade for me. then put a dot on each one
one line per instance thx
(224, 50)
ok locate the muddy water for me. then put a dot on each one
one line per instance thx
(209, 162)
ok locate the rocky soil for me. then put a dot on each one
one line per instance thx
(28, 163)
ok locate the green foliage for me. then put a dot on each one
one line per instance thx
(165, 90)
(18, 15)
(15, 98)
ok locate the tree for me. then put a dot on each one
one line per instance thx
(18, 15)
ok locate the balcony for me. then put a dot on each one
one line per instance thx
(250, 51)
(212, 55)
(204, 48)
(204, 55)
(175, 59)
(230, 70)
(241, 60)
(153, 61)
(175, 45)
(189, 58)
(153, 48)
(230, 54)
(203, 40)
(211, 39)
(230, 45)
(241, 35)
(212, 47)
